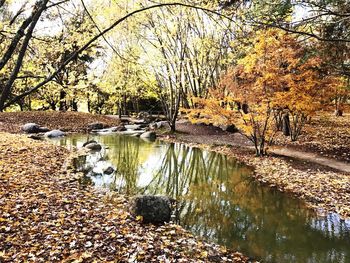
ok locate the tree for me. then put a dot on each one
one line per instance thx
(25, 31)
(277, 76)
(186, 54)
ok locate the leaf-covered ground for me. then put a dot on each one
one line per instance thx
(326, 135)
(65, 121)
(46, 216)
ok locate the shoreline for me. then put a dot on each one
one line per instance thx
(324, 191)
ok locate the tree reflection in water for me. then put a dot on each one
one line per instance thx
(218, 200)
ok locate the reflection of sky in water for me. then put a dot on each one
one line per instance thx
(332, 224)
(217, 200)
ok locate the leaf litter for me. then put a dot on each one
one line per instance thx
(47, 216)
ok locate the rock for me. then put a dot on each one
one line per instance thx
(44, 129)
(88, 142)
(31, 128)
(35, 137)
(160, 125)
(133, 127)
(93, 146)
(54, 134)
(148, 135)
(152, 208)
(118, 128)
(142, 123)
(143, 115)
(229, 128)
(95, 126)
(124, 120)
(109, 170)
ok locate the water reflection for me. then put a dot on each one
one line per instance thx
(218, 200)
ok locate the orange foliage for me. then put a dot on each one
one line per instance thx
(278, 75)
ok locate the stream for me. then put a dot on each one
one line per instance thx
(217, 199)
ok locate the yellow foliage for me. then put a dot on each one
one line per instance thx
(278, 74)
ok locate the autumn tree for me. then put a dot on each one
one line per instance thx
(277, 76)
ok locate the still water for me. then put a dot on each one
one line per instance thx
(217, 199)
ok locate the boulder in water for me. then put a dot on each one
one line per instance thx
(95, 126)
(35, 137)
(153, 209)
(148, 135)
(54, 134)
(93, 146)
(109, 170)
(88, 142)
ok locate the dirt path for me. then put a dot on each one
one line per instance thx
(313, 158)
(214, 136)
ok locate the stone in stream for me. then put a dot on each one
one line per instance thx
(159, 125)
(93, 146)
(44, 129)
(109, 170)
(95, 126)
(118, 128)
(35, 137)
(33, 128)
(88, 142)
(150, 135)
(133, 127)
(54, 134)
(153, 209)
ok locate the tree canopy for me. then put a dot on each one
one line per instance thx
(61, 54)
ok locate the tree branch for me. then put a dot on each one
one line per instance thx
(92, 40)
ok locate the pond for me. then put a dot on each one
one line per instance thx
(217, 199)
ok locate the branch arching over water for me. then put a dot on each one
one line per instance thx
(100, 34)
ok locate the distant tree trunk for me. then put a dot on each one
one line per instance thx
(63, 105)
(52, 105)
(88, 103)
(278, 116)
(74, 105)
(245, 108)
(338, 112)
(120, 109)
(21, 105)
(285, 124)
(173, 125)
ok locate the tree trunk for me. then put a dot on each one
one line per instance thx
(74, 105)
(39, 8)
(172, 126)
(285, 124)
(53, 106)
(245, 108)
(338, 113)
(63, 106)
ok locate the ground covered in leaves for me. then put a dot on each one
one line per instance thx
(65, 121)
(46, 216)
(326, 135)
